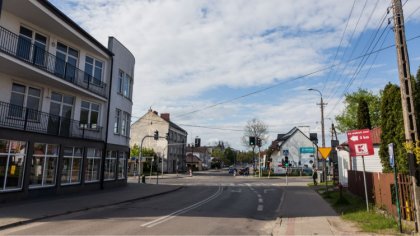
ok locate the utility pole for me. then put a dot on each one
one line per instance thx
(322, 104)
(407, 100)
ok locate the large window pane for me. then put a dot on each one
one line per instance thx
(93, 169)
(12, 162)
(44, 165)
(72, 165)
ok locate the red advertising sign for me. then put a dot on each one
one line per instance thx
(360, 142)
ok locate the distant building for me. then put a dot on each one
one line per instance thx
(296, 146)
(203, 153)
(171, 150)
(65, 104)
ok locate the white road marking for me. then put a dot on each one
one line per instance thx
(236, 190)
(260, 200)
(268, 190)
(259, 195)
(260, 208)
(186, 209)
(281, 201)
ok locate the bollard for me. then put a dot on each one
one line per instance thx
(143, 179)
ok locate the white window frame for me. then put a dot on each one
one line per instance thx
(9, 155)
(45, 156)
(125, 84)
(95, 158)
(26, 97)
(72, 158)
(122, 165)
(117, 123)
(90, 110)
(110, 165)
(94, 66)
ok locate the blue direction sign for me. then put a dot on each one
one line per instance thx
(286, 152)
(391, 154)
(307, 150)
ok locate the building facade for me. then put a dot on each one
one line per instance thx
(60, 129)
(171, 145)
(297, 147)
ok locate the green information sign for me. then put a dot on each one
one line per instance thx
(307, 150)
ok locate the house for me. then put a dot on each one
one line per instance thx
(296, 146)
(171, 143)
(203, 153)
(65, 104)
(372, 163)
(194, 162)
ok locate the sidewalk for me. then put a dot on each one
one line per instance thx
(26, 211)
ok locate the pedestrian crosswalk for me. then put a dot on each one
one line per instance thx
(255, 184)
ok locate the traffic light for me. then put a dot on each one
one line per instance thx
(251, 141)
(197, 142)
(156, 135)
(286, 160)
(258, 142)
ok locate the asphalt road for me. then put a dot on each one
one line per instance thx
(210, 203)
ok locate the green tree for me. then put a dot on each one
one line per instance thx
(230, 155)
(134, 151)
(347, 120)
(244, 157)
(392, 129)
(363, 117)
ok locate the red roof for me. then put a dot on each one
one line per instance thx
(375, 134)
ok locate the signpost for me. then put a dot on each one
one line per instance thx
(360, 144)
(397, 202)
(325, 151)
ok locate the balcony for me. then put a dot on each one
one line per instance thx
(24, 50)
(21, 118)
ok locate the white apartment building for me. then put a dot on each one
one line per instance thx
(65, 104)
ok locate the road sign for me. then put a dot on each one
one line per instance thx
(360, 142)
(391, 154)
(307, 149)
(325, 151)
(286, 152)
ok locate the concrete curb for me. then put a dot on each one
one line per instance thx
(24, 222)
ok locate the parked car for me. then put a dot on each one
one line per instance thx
(244, 171)
(232, 169)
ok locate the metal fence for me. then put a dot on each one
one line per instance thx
(21, 118)
(35, 54)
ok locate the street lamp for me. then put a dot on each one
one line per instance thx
(322, 104)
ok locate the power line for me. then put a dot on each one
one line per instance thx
(341, 41)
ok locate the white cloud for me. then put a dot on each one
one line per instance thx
(186, 49)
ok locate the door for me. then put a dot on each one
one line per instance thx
(31, 46)
(66, 62)
(61, 109)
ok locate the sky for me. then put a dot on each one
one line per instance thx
(215, 65)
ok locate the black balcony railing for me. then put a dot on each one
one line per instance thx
(35, 54)
(21, 118)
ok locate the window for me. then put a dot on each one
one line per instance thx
(125, 125)
(72, 165)
(122, 165)
(31, 46)
(120, 81)
(125, 84)
(89, 115)
(110, 165)
(66, 62)
(93, 170)
(44, 165)
(61, 108)
(24, 96)
(93, 70)
(117, 121)
(12, 164)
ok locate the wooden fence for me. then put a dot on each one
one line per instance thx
(380, 187)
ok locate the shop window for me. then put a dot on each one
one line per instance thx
(72, 165)
(44, 165)
(93, 170)
(12, 164)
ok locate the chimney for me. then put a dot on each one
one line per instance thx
(165, 116)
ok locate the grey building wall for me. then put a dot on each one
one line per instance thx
(123, 60)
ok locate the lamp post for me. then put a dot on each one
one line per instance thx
(322, 104)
